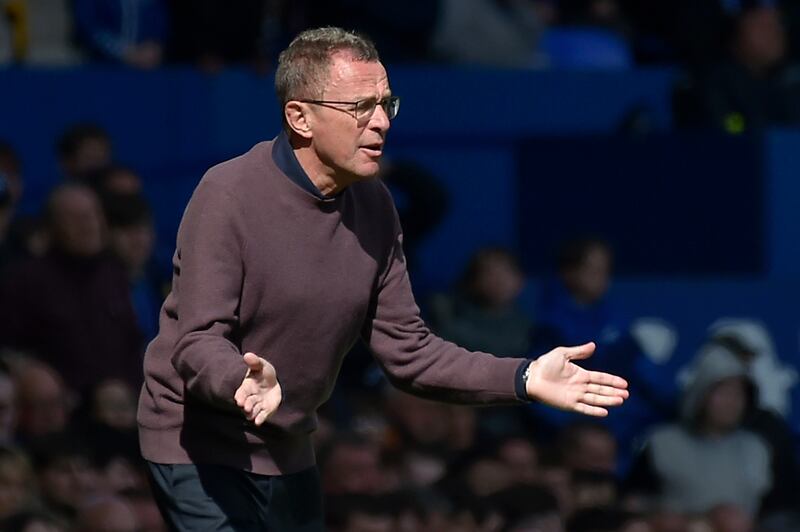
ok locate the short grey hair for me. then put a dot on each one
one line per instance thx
(303, 66)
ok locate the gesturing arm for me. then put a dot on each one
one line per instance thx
(418, 361)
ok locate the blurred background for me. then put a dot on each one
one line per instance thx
(565, 170)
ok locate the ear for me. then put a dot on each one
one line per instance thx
(298, 118)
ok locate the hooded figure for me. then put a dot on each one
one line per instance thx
(707, 459)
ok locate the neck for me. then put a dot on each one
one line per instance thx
(323, 176)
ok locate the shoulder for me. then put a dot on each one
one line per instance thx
(237, 177)
(753, 442)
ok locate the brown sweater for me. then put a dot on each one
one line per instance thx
(263, 265)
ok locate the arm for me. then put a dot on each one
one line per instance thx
(419, 362)
(208, 286)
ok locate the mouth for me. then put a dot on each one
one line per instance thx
(373, 150)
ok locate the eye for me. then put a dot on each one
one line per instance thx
(364, 107)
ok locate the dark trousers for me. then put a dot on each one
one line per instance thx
(217, 498)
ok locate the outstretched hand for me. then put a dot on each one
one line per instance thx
(260, 393)
(555, 380)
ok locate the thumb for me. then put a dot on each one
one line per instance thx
(580, 352)
(253, 361)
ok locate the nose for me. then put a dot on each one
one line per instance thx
(379, 121)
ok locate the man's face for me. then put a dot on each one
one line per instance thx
(133, 244)
(589, 282)
(93, 153)
(348, 147)
(78, 224)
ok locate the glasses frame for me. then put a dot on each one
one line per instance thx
(383, 102)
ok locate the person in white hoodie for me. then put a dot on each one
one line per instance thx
(707, 461)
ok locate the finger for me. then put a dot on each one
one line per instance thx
(243, 392)
(253, 361)
(598, 377)
(247, 388)
(261, 417)
(589, 410)
(250, 402)
(607, 390)
(601, 400)
(579, 352)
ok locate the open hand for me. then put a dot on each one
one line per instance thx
(555, 380)
(260, 393)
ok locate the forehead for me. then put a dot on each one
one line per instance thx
(350, 78)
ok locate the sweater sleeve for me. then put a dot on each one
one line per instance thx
(419, 362)
(210, 257)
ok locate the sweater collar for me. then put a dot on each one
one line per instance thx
(286, 161)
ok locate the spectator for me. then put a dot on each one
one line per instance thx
(576, 304)
(44, 404)
(781, 501)
(489, 32)
(66, 477)
(588, 447)
(40, 33)
(17, 483)
(132, 238)
(114, 405)
(754, 87)
(83, 150)
(708, 459)
(111, 428)
(125, 32)
(482, 315)
(352, 465)
(79, 294)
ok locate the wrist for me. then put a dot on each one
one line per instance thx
(528, 376)
(520, 381)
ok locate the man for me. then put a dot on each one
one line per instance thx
(78, 294)
(286, 255)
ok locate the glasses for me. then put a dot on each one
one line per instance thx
(362, 110)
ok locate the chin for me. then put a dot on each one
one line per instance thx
(367, 171)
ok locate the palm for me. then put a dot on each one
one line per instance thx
(557, 381)
(260, 393)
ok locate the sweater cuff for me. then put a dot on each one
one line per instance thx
(520, 386)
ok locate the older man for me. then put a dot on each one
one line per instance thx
(285, 256)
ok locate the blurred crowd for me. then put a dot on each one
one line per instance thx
(738, 58)
(80, 291)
